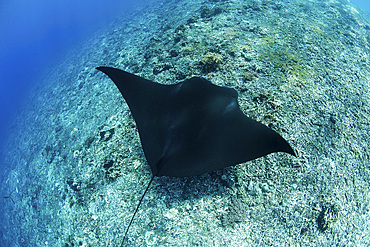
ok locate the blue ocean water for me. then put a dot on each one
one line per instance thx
(362, 4)
(36, 34)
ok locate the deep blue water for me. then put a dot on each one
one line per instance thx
(363, 4)
(36, 34)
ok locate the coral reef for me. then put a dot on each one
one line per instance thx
(211, 61)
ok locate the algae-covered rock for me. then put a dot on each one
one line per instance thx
(211, 61)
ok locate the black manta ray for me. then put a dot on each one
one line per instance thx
(192, 127)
